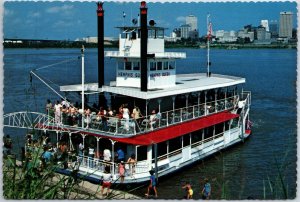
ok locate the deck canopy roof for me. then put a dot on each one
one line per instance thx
(185, 83)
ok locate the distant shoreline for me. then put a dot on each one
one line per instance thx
(167, 45)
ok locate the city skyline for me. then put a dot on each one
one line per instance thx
(71, 20)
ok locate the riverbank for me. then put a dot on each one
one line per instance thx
(26, 181)
(234, 46)
(229, 46)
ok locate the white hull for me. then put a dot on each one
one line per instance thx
(186, 156)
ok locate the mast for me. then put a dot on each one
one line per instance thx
(82, 85)
(208, 40)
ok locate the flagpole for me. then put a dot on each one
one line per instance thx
(208, 39)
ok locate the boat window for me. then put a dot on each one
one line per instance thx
(197, 136)
(219, 128)
(174, 144)
(166, 65)
(136, 65)
(120, 65)
(186, 140)
(160, 33)
(159, 65)
(127, 65)
(152, 66)
(172, 65)
(151, 33)
(208, 132)
(234, 122)
(141, 153)
(133, 35)
(123, 35)
(161, 149)
(226, 125)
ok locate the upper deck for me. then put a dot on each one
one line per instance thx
(185, 83)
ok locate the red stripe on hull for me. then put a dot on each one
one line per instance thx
(174, 131)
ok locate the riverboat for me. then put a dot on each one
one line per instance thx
(178, 118)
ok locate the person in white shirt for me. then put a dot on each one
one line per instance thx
(106, 155)
(57, 111)
(91, 156)
(152, 119)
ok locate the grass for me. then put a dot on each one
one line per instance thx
(31, 181)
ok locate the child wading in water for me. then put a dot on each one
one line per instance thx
(152, 184)
(206, 191)
(189, 191)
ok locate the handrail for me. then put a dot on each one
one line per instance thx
(128, 127)
(140, 166)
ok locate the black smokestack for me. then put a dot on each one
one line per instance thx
(144, 41)
(100, 14)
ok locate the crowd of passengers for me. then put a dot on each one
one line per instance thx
(41, 148)
(66, 113)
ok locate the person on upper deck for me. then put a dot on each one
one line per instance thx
(152, 119)
(136, 114)
(57, 111)
(48, 107)
(121, 111)
(125, 112)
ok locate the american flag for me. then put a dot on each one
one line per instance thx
(209, 30)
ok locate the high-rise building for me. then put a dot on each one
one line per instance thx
(261, 33)
(273, 28)
(286, 24)
(184, 30)
(265, 24)
(192, 21)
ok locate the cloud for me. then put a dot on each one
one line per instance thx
(8, 12)
(63, 24)
(180, 19)
(35, 14)
(163, 23)
(60, 9)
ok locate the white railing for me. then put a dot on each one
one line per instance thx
(129, 127)
(99, 165)
(116, 126)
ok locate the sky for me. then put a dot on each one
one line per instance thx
(71, 20)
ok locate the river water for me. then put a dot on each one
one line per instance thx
(251, 169)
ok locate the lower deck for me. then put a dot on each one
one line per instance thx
(171, 155)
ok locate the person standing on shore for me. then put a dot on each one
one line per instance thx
(206, 191)
(152, 184)
(106, 180)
